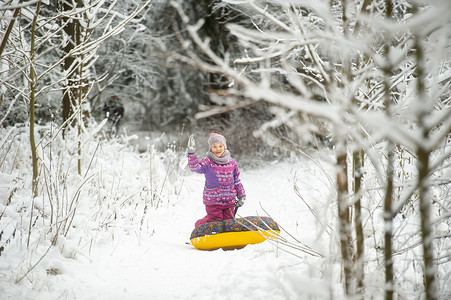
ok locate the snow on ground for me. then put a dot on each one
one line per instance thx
(156, 263)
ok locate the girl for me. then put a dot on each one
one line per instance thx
(222, 179)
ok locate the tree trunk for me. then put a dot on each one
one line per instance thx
(426, 225)
(423, 153)
(358, 164)
(344, 222)
(9, 29)
(388, 225)
(32, 83)
(72, 30)
(388, 199)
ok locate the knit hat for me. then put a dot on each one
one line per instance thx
(216, 137)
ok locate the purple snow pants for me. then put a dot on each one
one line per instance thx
(217, 213)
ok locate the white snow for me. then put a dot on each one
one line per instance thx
(122, 227)
(105, 257)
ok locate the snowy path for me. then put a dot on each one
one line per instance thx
(162, 266)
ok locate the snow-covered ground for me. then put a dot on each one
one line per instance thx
(120, 229)
(162, 266)
(142, 254)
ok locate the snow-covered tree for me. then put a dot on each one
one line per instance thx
(157, 89)
(51, 50)
(60, 57)
(371, 76)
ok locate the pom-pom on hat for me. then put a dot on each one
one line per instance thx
(216, 137)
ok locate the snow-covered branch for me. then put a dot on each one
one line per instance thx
(370, 76)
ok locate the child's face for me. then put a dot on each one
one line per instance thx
(218, 149)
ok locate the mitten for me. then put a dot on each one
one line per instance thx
(240, 201)
(191, 144)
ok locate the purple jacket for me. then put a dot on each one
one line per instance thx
(222, 182)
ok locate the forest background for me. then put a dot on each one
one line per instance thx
(367, 79)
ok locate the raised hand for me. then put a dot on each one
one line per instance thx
(191, 144)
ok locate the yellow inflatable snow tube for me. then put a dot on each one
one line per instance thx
(234, 233)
